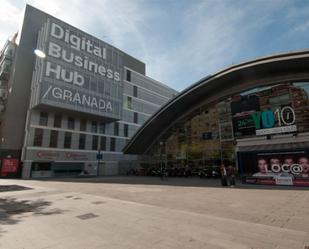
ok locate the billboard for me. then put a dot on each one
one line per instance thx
(270, 110)
(79, 72)
(9, 166)
(280, 168)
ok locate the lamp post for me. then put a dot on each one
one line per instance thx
(161, 166)
(99, 155)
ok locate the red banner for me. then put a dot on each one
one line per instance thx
(9, 166)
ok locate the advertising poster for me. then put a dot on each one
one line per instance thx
(9, 166)
(282, 168)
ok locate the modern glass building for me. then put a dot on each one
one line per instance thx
(70, 102)
(254, 115)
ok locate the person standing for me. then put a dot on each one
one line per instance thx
(231, 173)
(223, 175)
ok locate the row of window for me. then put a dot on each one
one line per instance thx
(83, 124)
(97, 142)
(128, 78)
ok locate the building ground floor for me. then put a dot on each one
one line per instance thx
(47, 162)
(277, 160)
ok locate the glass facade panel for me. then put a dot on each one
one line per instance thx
(116, 129)
(208, 136)
(82, 141)
(53, 139)
(57, 120)
(126, 130)
(67, 140)
(102, 128)
(103, 143)
(38, 137)
(83, 124)
(113, 144)
(94, 126)
(95, 142)
(71, 123)
(43, 118)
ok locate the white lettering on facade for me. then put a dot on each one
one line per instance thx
(77, 98)
(62, 74)
(56, 51)
(76, 42)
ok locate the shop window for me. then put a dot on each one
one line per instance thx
(102, 128)
(94, 126)
(38, 137)
(53, 139)
(82, 141)
(83, 125)
(71, 123)
(95, 142)
(116, 129)
(126, 130)
(67, 140)
(128, 78)
(113, 144)
(43, 118)
(57, 120)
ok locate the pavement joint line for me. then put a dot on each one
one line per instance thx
(220, 219)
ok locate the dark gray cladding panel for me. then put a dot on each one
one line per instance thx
(134, 64)
(18, 100)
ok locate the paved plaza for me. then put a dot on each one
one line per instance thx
(138, 212)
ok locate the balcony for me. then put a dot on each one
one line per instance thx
(5, 69)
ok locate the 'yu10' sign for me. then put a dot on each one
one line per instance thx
(281, 120)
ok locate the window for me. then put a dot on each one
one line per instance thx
(38, 137)
(113, 144)
(57, 120)
(102, 128)
(43, 118)
(126, 130)
(128, 78)
(135, 121)
(83, 125)
(116, 129)
(67, 140)
(53, 139)
(94, 126)
(135, 91)
(103, 143)
(82, 141)
(129, 103)
(95, 142)
(71, 123)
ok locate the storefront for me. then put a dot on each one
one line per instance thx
(254, 116)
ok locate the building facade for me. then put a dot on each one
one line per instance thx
(71, 110)
(254, 115)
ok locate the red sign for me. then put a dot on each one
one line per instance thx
(9, 166)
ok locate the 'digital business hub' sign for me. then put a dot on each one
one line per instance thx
(79, 72)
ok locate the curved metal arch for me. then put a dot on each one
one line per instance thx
(260, 72)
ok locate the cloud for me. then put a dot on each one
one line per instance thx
(10, 16)
(182, 41)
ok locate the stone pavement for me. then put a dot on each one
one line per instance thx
(134, 213)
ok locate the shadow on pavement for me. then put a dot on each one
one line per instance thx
(170, 181)
(11, 210)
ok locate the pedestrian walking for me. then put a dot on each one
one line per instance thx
(223, 175)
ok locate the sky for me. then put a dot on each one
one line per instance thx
(180, 41)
